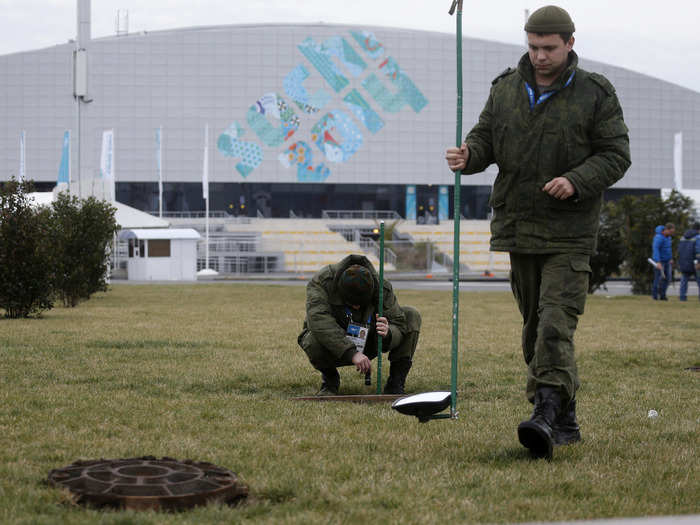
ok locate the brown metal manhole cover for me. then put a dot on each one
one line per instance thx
(148, 483)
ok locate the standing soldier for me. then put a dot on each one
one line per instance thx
(558, 137)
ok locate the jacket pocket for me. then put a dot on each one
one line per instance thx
(570, 204)
(498, 194)
(500, 145)
(501, 187)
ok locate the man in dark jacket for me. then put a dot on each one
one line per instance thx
(558, 137)
(689, 259)
(342, 324)
(662, 255)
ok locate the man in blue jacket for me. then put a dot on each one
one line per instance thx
(688, 257)
(663, 257)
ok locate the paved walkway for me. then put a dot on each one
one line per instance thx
(693, 519)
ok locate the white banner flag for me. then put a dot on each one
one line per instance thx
(678, 160)
(107, 163)
(205, 167)
(22, 174)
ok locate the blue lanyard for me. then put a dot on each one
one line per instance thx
(544, 96)
(348, 312)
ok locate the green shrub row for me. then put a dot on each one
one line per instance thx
(51, 253)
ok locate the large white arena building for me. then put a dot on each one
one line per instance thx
(302, 118)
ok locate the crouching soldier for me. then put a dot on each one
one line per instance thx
(342, 324)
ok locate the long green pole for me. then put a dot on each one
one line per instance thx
(456, 216)
(381, 305)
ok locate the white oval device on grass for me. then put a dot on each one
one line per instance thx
(423, 406)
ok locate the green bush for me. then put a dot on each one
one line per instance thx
(82, 231)
(626, 233)
(26, 253)
(611, 249)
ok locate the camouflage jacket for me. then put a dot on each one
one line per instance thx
(578, 132)
(326, 313)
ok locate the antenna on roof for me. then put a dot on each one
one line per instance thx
(121, 24)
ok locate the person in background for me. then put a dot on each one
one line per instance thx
(689, 259)
(662, 255)
(342, 324)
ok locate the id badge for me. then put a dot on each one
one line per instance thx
(358, 335)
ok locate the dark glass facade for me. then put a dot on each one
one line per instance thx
(300, 200)
(283, 200)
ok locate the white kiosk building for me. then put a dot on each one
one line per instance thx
(160, 254)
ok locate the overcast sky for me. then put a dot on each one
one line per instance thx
(658, 39)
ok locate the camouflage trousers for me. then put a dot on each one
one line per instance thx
(551, 293)
(321, 358)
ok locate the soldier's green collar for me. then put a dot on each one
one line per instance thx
(528, 72)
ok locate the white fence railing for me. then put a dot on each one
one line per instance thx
(360, 214)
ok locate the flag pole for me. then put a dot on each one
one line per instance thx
(205, 190)
(22, 157)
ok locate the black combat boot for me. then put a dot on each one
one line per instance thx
(397, 376)
(331, 382)
(565, 428)
(536, 433)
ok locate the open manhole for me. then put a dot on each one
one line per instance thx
(148, 483)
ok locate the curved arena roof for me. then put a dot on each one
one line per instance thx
(296, 103)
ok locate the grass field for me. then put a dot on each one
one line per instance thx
(206, 372)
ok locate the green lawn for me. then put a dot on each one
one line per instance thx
(207, 372)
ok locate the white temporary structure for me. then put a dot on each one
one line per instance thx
(128, 218)
(161, 254)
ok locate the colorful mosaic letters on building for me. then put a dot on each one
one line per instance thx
(300, 154)
(320, 58)
(335, 134)
(230, 145)
(274, 106)
(362, 110)
(407, 92)
(369, 43)
(294, 88)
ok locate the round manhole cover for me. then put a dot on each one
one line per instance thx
(148, 483)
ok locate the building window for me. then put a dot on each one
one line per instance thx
(159, 248)
(142, 248)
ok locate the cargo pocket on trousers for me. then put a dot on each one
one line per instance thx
(576, 288)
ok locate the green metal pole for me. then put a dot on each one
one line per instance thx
(456, 216)
(381, 305)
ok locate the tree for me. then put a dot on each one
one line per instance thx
(641, 216)
(611, 248)
(26, 253)
(82, 230)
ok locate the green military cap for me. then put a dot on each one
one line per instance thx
(356, 285)
(550, 19)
